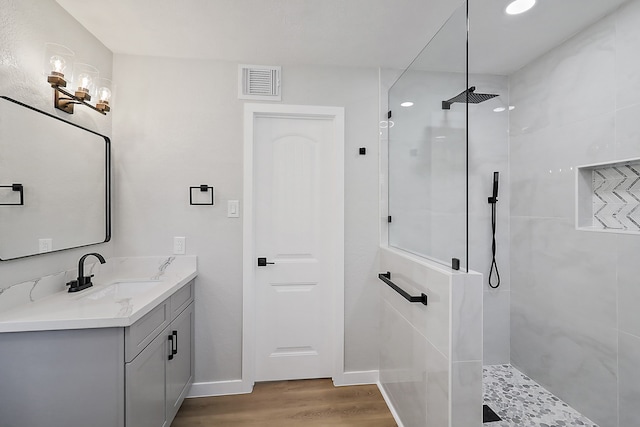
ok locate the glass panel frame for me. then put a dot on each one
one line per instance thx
(428, 149)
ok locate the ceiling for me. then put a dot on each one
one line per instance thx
(366, 33)
(357, 33)
(501, 44)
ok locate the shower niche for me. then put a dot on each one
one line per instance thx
(608, 197)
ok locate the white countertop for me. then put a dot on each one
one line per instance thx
(95, 307)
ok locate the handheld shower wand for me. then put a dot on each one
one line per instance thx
(494, 198)
(493, 201)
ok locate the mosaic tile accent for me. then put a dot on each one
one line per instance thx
(616, 196)
(521, 402)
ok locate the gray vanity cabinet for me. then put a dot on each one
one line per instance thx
(159, 355)
(106, 377)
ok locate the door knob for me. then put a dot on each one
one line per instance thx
(262, 262)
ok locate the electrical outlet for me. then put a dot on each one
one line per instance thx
(179, 245)
(45, 245)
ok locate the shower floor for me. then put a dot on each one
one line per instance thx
(521, 402)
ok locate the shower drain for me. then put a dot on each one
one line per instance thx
(488, 416)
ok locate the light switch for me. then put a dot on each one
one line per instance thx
(233, 209)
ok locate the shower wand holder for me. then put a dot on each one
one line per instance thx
(493, 200)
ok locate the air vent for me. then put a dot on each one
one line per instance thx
(259, 82)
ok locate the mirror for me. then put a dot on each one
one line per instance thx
(54, 183)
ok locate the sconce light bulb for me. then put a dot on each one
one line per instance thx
(84, 81)
(104, 94)
(57, 64)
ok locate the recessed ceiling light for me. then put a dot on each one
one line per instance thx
(517, 7)
(499, 109)
(406, 104)
(511, 107)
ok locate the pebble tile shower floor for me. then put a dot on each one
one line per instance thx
(521, 402)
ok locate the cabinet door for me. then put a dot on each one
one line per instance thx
(180, 367)
(67, 378)
(145, 385)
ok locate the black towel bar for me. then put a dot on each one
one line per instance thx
(15, 187)
(386, 278)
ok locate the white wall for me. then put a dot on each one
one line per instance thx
(574, 305)
(178, 123)
(25, 26)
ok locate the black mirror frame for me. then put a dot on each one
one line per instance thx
(107, 181)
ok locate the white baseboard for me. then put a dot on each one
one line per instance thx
(356, 378)
(222, 388)
(385, 396)
(219, 388)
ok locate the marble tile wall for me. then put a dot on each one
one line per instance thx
(489, 152)
(431, 356)
(574, 294)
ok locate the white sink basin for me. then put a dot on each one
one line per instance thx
(122, 290)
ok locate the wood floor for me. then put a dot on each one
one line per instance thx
(290, 403)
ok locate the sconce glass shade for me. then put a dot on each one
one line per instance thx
(105, 94)
(58, 60)
(58, 64)
(104, 90)
(85, 77)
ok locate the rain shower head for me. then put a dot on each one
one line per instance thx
(468, 95)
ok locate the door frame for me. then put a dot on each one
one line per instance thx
(251, 112)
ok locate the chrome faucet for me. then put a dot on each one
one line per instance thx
(83, 281)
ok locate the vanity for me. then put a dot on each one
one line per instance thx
(117, 354)
(114, 351)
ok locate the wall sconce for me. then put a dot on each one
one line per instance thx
(86, 84)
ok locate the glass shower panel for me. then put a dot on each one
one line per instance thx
(428, 149)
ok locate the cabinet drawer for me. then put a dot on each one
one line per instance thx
(141, 333)
(181, 299)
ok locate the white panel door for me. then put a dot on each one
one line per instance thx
(294, 192)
